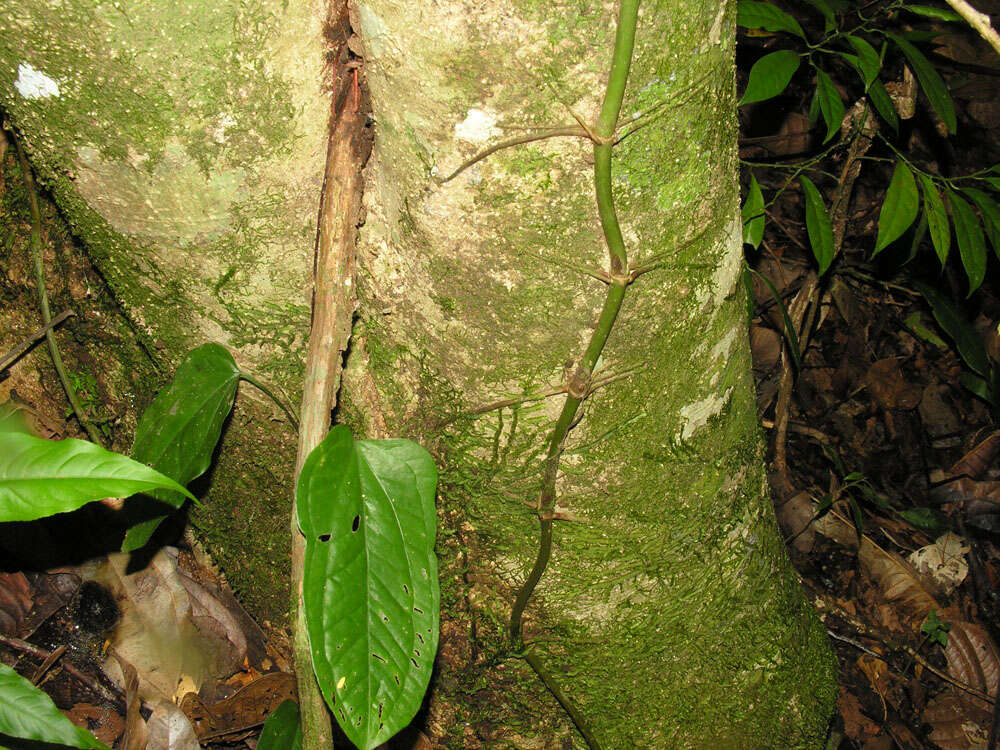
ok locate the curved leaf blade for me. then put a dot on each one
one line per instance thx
(29, 714)
(899, 208)
(930, 81)
(971, 242)
(370, 587)
(770, 75)
(937, 218)
(179, 431)
(938, 14)
(751, 14)
(830, 104)
(281, 729)
(946, 313)
(990, 213)
(753, 215)
(882, 102)
(818, 225)
(40, 478)
(868, 62)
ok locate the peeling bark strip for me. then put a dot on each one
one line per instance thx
(334, 301)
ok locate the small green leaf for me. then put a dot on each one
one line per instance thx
(938, 14)
(818, 225)
(990, 213)
(930, 81)
(281, 729)
(953, 323)
(917, 328)
(899, 208)
(994, 182)
(40, 478)
(29, 714)
(770, 75)
(829, 20)
(179, 431)
(937, 218)
(370, 584)
(868, 62)
(757, 15)
(977, 386)
(921, 518)
(830, 104)
(882, 102)
(971, 242)
(753, 215)
(791, 337)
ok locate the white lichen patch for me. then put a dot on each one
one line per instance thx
(697, 414)
(479, 126)
(727, 270)
(34, 84)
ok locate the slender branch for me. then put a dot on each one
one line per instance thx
(578, 383)
(565, 130)
(43, 298)
(280, 403)
(978, 21)
(18, 351)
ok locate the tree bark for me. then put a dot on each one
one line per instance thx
(668, 612)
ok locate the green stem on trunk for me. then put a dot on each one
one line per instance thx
(579, 385)
(43, 297)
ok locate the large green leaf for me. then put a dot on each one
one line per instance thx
(770, 75)
(829, 19)
(29, 714)
(282, 730)
(930, 81)
(937, 218)
(753, 215)
(990, 212)
(41, 477)
(868, 62)
(756, 15)
(938, 14)
(971, 242)
(370, 587)
(818, 225)
(952, 322)
(902, 202)
(179, 431)
(830, 104)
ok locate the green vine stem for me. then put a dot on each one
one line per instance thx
(579, 383)
(43, 297)
(279, 402)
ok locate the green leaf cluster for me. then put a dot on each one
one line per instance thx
(366, 508)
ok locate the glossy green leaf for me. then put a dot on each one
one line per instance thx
(770, 75)
(756, 15)
(868, 62)
(938, 14)
(882, 102)
(971, 242)
(370, 590)
(953, 323)
(994, 182)
(930, 81)
(977, 386)
(937, 218)
(899, 208)
(29, 714)
(281, 730)
(179, 431)
(990, 214)
(830, 104)
(40, 478)
(753, 215)
(818, 225)
(921, 518)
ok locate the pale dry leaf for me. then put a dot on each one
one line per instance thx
(954, 724)
(943, 561)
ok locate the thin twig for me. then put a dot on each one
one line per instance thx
(281, 404)
(978, 21)
(21, 349)
(565, 130)
(43, 298)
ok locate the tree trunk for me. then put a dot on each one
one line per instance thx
(668, 612)
(187, 149)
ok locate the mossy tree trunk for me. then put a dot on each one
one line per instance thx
(668, 611)
(187, 148)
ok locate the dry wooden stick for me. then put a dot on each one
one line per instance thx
(334, 301)
(18, 351)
